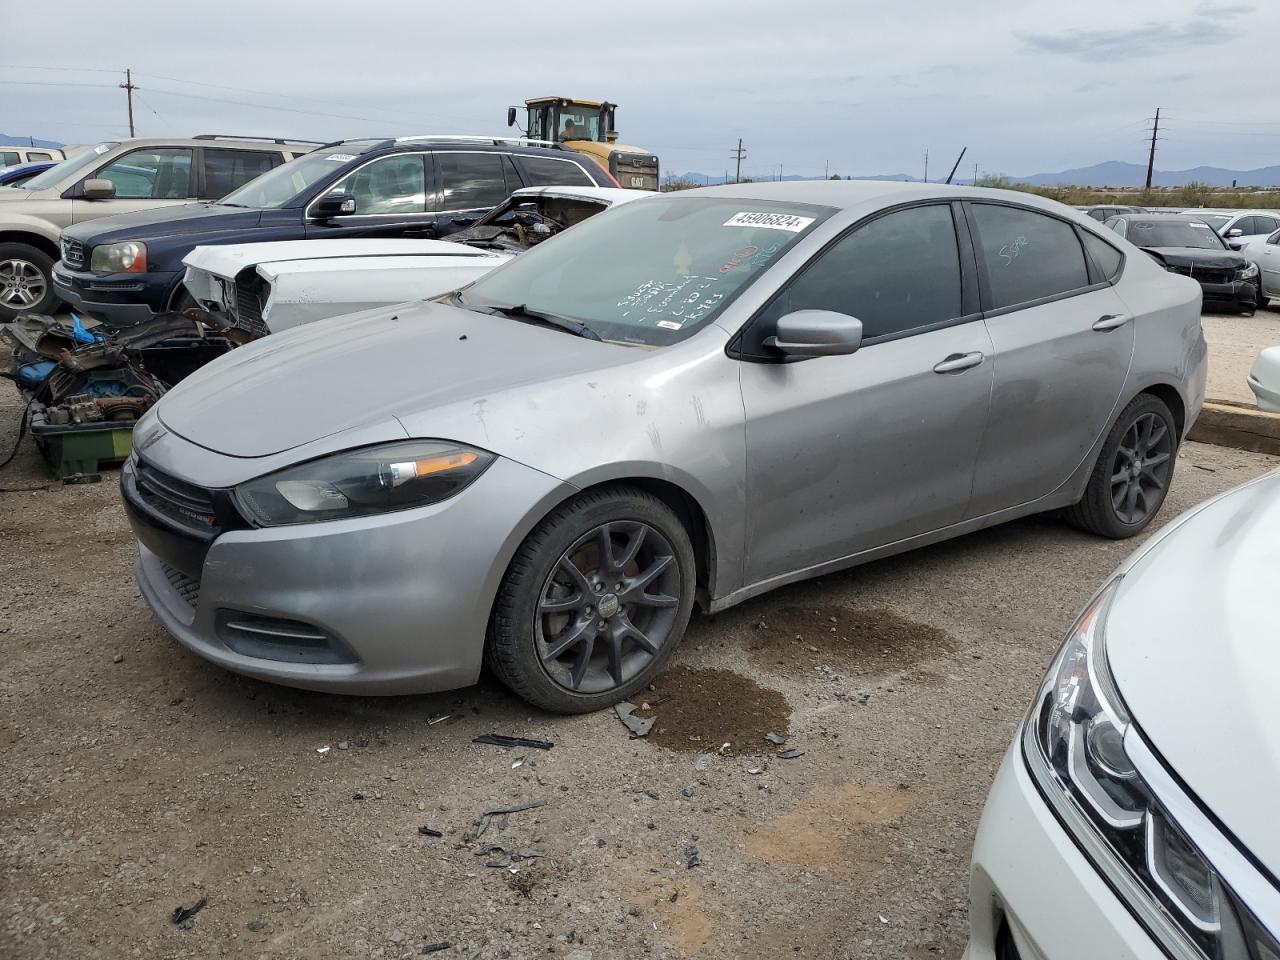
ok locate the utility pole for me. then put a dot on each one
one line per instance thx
(926, 164)
(129, 86)
(738, 155)
(826, 169)
(975, 174)
(1151, 157)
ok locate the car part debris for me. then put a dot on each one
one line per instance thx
(790, 754)
(481, 826)
(775, 739)
(182, 914)
(437, 947)
(687, 792)
(509, 855)
(517, 763)
(438, 718)
(639, 726)
(322, 750)
(755, 770)
(428, 832)
(256, 926)
(498, 740)
(692, 858)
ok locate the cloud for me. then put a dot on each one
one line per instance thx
(1206, 28)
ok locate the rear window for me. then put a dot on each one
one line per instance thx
(652, 271)
(547, 172)
(224, 170)
(1029, 256)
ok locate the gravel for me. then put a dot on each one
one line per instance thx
(135, 777)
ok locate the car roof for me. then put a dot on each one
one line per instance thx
(213, 140)
(1161, 218)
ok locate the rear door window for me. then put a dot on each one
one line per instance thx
(1105, 257)
(1029, 256)
(1266, 224)
(226, 170)
(471, 180)
(548, 172)
(153, 173)
(9, 157)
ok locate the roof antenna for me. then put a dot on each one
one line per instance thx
(957, 166)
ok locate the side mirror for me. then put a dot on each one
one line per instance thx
(327, 208)
(98, 190)
(1235, 245)
(511, 116)
(816, 333)
(1235, 232)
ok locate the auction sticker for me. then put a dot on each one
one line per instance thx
(341, 157)
(769, 221)
(669, 325)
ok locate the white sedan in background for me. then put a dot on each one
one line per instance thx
(1135, 814)
(1265, 252)
(268, 287)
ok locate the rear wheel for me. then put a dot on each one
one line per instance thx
(1131, 478)
(594, 603)
(26, 281)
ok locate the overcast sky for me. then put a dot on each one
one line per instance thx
(1031, 87)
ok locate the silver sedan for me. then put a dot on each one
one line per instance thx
(693, 398)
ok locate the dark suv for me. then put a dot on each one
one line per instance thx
(125, 269)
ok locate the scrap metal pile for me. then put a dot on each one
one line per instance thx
(70, 374)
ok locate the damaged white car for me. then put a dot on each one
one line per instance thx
(264, 288)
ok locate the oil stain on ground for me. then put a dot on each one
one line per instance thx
(798, 640)
(699, 710)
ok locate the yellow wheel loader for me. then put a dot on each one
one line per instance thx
(586, 126)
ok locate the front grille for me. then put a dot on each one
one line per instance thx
(185, 503)
(73, 253)
(1208, 274)
(249, 309)
(188, 588)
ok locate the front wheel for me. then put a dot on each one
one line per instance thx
(1132, 475)
(26, 281)
(594, 603)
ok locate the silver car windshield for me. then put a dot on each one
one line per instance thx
(60, 171)
(277, 187)
(651, 271)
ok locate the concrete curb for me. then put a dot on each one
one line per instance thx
(1238, 425)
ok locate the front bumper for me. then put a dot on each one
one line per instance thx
(120, 299)
(1029, 873)
(392, 604)
(1239, 295)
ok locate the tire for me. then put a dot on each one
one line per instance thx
(26, 281)
(1144, 439)
(561, 643)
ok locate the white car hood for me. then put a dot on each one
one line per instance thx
(1193, 640)
(229, 259)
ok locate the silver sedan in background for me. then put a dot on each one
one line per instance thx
(693, 398)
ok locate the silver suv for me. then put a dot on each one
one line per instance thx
(110, 178)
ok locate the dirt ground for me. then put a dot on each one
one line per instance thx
(136, 778)
(1234, 343)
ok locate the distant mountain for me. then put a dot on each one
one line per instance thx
(8, 141)
(1115, 173)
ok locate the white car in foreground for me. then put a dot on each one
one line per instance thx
(268, 287)
(1135, 814)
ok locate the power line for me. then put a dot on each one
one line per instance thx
(53, 83)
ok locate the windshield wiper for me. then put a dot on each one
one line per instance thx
(521, 311)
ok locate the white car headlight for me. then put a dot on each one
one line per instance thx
(357, 483)
(127, 257)
(1131, 817)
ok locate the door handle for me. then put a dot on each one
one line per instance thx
(959, 361)
(1111, 321)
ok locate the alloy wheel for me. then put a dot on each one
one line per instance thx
(1141, 469)
(21, 284)
(608, 606)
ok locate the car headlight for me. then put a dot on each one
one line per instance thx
(357, 483)
(1247, 272)
(1119, 802)
(127, 257)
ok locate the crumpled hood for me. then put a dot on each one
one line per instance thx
(159, 223)
(1195, 257)
(1193, 640)
(334, 375)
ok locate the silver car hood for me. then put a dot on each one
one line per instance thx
(1194, 644)
(351, 371)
